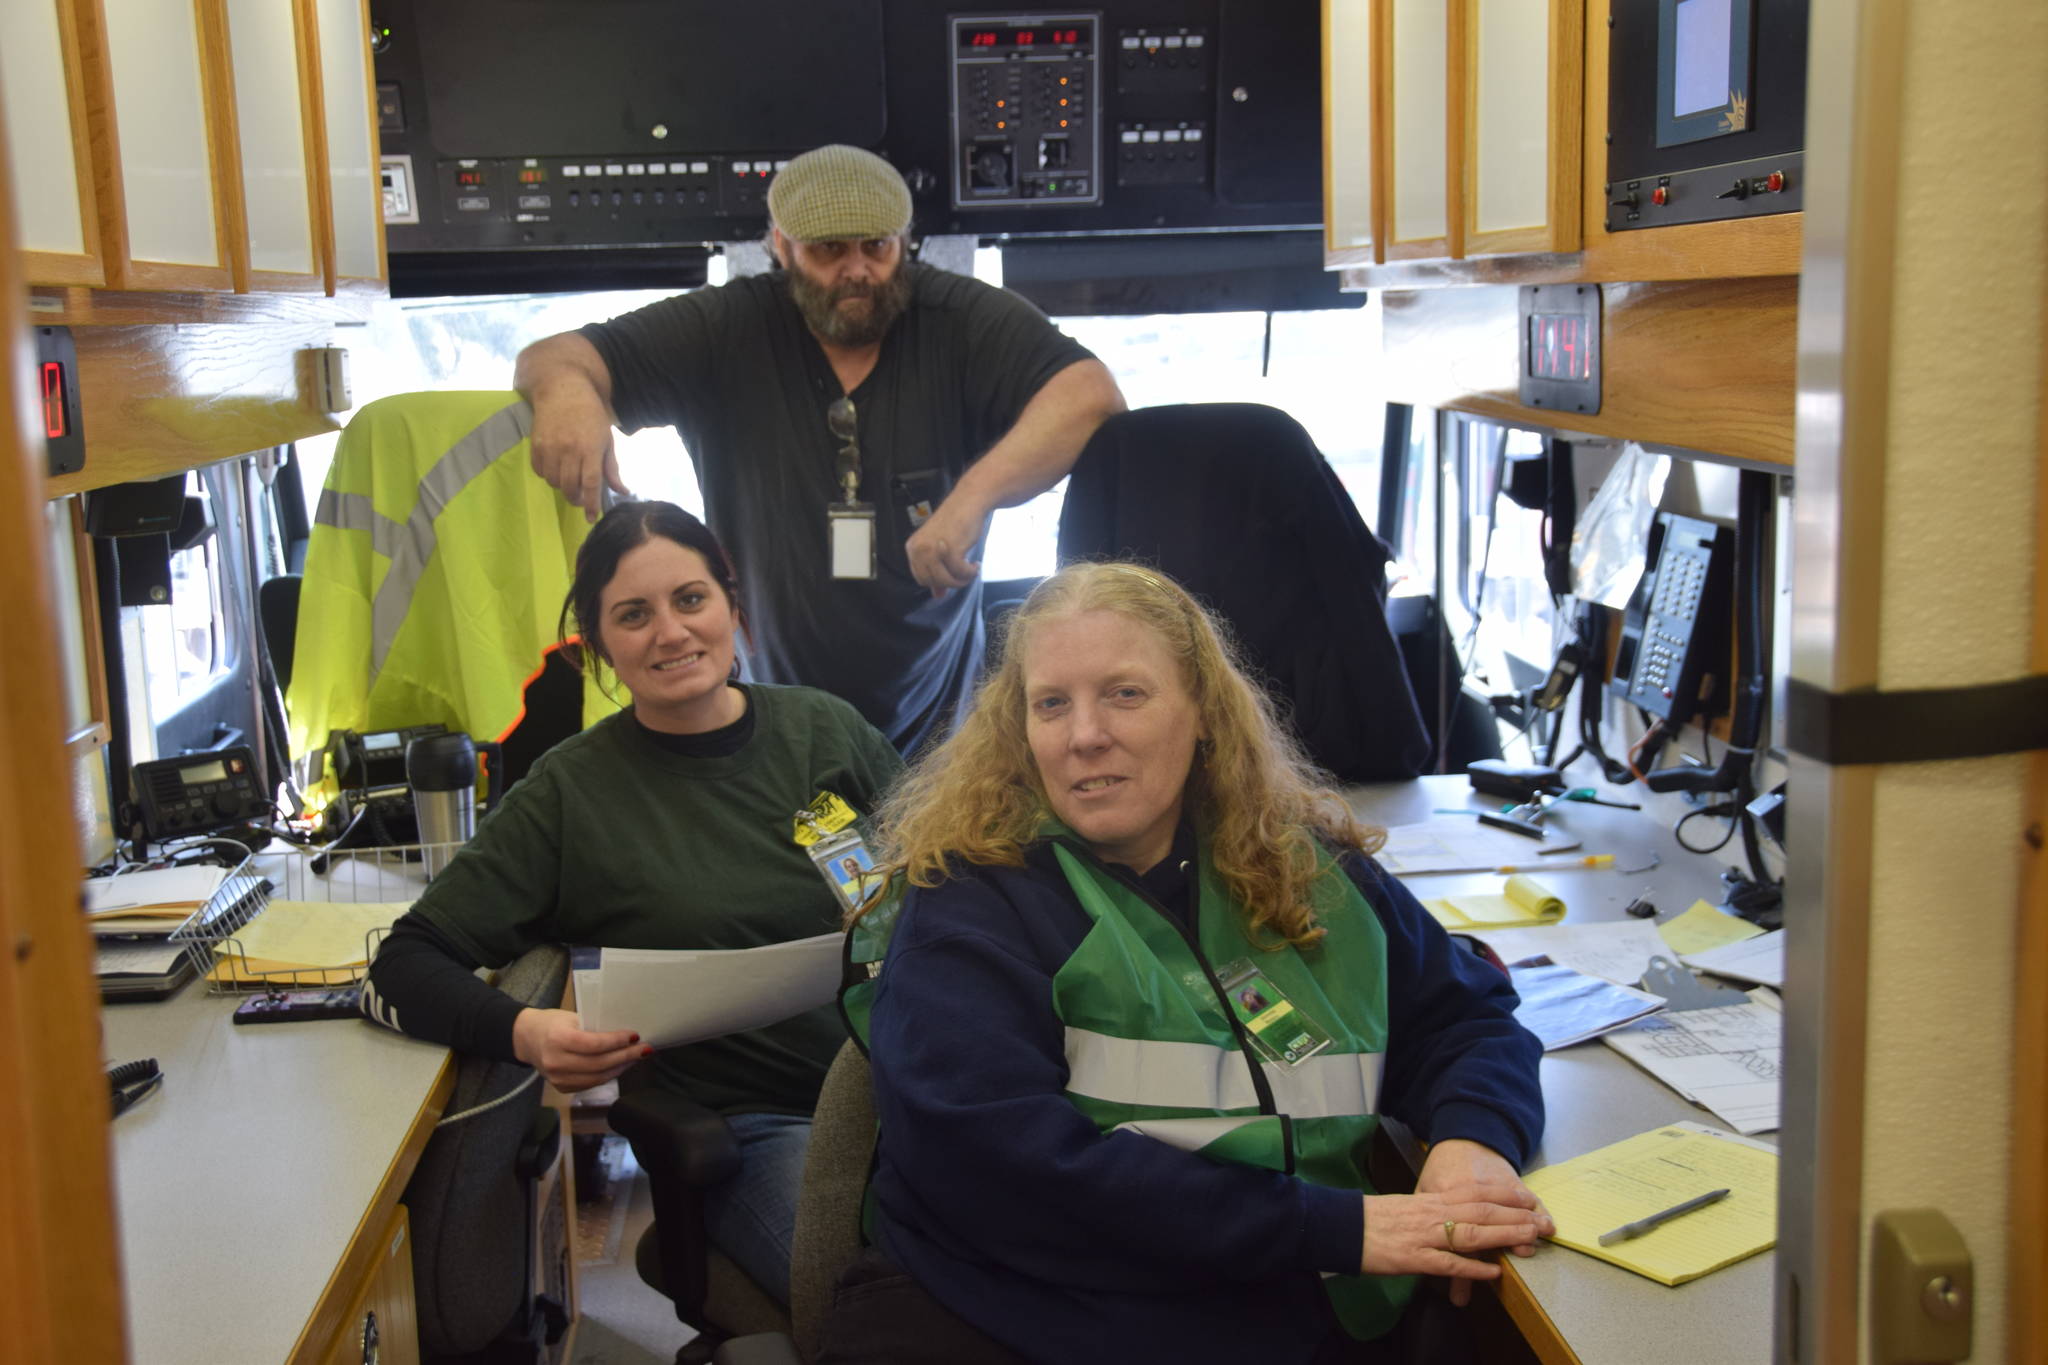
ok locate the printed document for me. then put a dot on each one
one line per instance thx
(1726, 1058)
(670, 998)
(163, 889)
(1614, 950)
(1760, 960)
(1632, 1179)
(1459, 843)
(1562, 1007)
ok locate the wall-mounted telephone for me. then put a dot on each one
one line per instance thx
(1673, 657)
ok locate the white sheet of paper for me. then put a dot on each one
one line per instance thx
(182, 886)
(1459, 843)
(1728, 1059)
(670, 998)
(1760, 959)
(1614, 950)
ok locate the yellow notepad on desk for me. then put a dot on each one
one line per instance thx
(1523, 900)
(1653, 1171)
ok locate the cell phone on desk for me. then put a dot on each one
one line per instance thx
(283, 1007)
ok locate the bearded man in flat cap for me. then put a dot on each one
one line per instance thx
(854, 417)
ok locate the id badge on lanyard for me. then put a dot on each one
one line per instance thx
(825, 830)
(1280, 1031)
(850, 531)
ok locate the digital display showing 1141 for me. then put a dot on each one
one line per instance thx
(1051, 36)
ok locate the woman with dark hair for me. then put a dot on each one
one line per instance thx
(673, 824)
(1137, 1016)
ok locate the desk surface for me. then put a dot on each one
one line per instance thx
(1594, 1096)
(242, 1182)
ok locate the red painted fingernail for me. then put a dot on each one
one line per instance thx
(634, 1039)
(646, 1052)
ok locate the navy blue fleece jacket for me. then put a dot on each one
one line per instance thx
(1005, 1203)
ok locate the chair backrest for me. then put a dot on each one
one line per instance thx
(468, 1202)
(828, 1210)
(1237, 504)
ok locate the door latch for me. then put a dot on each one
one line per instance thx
(1921, 1299)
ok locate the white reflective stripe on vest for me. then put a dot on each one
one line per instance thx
(1158, 1075)
(409, 546)
(1190, 1135)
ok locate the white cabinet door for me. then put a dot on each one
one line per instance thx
(1349, 228)
(355, 196)
(1522, 151)
(165, 212)
(274, 118)
(1416, 73)
(49, 151)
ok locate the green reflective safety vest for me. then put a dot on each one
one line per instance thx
(1152, 1047)
(435, 574)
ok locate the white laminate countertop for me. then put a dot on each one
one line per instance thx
(1593, 1096)
(241, 1181)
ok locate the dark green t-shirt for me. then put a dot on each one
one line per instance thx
(613, 841)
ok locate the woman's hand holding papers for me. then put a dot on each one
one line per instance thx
(555, 1043)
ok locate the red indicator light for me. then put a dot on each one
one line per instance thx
(54, 423)
(1660, 195)
(1026, 37)
(1775, 181)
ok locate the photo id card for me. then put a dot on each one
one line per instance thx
(851, 526)
(848, 868)
(1278, 1030)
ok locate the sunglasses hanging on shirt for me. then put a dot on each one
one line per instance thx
(849, 523)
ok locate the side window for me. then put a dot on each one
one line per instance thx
(186, 647)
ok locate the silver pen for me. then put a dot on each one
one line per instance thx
(1662, 1216)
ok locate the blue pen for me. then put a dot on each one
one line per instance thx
(1659, 1218)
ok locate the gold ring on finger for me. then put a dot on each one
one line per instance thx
(1450, 1234)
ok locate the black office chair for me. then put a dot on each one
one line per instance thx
(1235, 502)
(475, 1211)
(685, 1148)
(1461, 726)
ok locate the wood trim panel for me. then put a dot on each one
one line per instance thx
(224, 141)
(110, 308)
(383, 275)
(1382, 20)
(89, 618)
(313, 91)
(366, 1248)
(1386, 205)
(1458, 41)
(155, 400)
(1530, 1320)
(54, 267)
(60, 1284)
(1329, 136)
(1708, 365)
(96, 82)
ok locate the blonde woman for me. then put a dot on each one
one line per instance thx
(1136, 1018)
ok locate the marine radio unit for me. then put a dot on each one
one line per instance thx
(199, 793)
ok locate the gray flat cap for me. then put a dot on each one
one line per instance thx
(837, 192)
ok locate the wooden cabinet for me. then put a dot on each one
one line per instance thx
(1462, 117)
(206, 145)
(381, 1326)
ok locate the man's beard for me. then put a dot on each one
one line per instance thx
(819, 305)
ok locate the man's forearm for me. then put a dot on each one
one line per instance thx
(563, 362)
(1038, 450)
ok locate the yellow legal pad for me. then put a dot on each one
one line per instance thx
(1632, 1179)
(1702, 927)
(324, 942)
(1523, 900)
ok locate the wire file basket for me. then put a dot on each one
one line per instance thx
(214, 937)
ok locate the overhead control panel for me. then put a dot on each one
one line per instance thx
(1027, 101)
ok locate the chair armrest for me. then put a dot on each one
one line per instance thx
(761, 1348)
(675, 1138)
